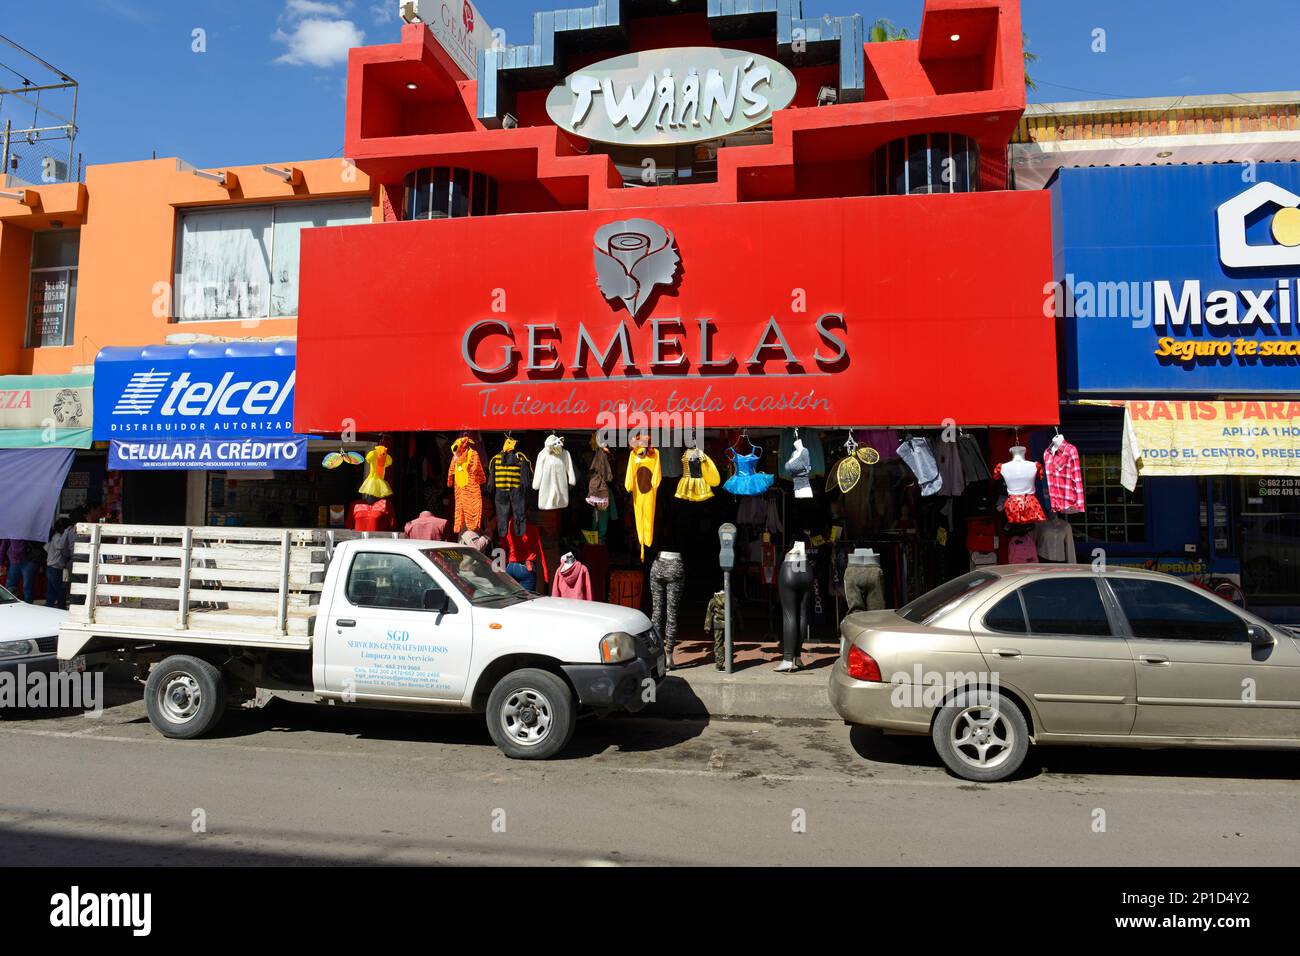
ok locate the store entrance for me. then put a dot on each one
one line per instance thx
(154, 497)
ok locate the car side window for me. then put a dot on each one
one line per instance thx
(391, 581)
(1066, 606)
(1162, 611)
(1007, 616)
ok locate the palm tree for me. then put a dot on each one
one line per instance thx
(1029, 58)
(883, 30)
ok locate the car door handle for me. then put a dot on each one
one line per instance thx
(1153, 659)
(346, 622)
(1006, 652)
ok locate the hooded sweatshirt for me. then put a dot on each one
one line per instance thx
(572, 582)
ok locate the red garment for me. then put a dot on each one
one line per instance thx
(1024, 509)
(981, 533)
(427, 527)
(376, 517)
(526, 550)
(1064, 478)
(572, 582)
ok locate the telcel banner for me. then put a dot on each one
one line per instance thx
(1210, 438)
(231, 454)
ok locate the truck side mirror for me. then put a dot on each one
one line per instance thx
(436, 599)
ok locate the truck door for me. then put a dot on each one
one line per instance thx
(397, 632)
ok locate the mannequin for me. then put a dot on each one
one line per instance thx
(572, 579)
(667, 579)
(794, 582)
(427, 527)
(1021, 477)
(553, 475)
(800, 467)
(864, 581)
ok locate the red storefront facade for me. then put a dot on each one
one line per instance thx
(798, 297)
(771, 226)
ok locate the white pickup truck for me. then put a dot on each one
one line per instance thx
(220, 617)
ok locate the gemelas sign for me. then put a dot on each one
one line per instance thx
(715, 309)
(671, 97)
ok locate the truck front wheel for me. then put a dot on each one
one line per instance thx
(184, 696)
(531, 714)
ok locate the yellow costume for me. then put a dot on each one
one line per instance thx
(643, 477)
(378, 459)
(699, 476)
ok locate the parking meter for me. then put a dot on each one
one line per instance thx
(727, 552)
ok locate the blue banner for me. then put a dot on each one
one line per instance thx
(1177, 279)
(209, 454)
(210, 390)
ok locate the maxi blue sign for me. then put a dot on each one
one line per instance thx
(1178, 279)
(207, 406)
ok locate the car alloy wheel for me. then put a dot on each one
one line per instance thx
(526, 716)
(982, 737)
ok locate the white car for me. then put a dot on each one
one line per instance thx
(29, 635)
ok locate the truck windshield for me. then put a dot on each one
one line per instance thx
(473, 575)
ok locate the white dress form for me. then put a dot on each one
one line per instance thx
(1019, 473)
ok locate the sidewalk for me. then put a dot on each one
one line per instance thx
(753, 689)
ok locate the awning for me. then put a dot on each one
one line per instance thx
(209, 406)
(32, 479)
(1210, 438)
(46, 411)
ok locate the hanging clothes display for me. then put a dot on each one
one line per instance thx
(1022, 550)
(524, 554)
(799, 467)
(642, 483)
(378, 461)
(465, 477)
(1054, 539)
(947, 458)
(699, 476)
(746, 480)
(509, 474)
(365, 516)
(973, 466)
(1064, 477)
(427, 527)
(810, 440)
(572, 580)
(916, 454)
(601, 473)
(1022, 505)
(553, 475)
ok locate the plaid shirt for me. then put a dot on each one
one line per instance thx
(1064, 478)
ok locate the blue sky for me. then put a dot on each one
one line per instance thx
(269, 87)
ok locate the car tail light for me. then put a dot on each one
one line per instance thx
(862, 666)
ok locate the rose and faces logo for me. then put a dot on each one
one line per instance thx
(468, 16)
(633, 258)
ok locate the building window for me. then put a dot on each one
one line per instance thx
(926, 163)
(1111, 512)
(52, 300)
(242, 262)
(445, 192)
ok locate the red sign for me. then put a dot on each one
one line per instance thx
(905, 310)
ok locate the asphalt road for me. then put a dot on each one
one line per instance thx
(310, 785)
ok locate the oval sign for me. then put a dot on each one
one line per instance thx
(671, 97)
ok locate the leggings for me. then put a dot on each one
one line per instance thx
(795, 588)
(667, 579)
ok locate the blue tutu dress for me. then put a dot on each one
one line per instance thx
(746, 481)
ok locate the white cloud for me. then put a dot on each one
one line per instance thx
(384, 12)
(309, 8)
(318, 42)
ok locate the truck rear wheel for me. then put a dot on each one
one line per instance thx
(531, 714)
(184, 696)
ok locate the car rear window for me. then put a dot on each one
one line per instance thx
(931, 604)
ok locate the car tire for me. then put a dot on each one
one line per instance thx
(981, 736)
(185, 697)
(531, 714)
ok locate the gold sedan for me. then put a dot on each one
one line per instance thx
(1065, 654)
